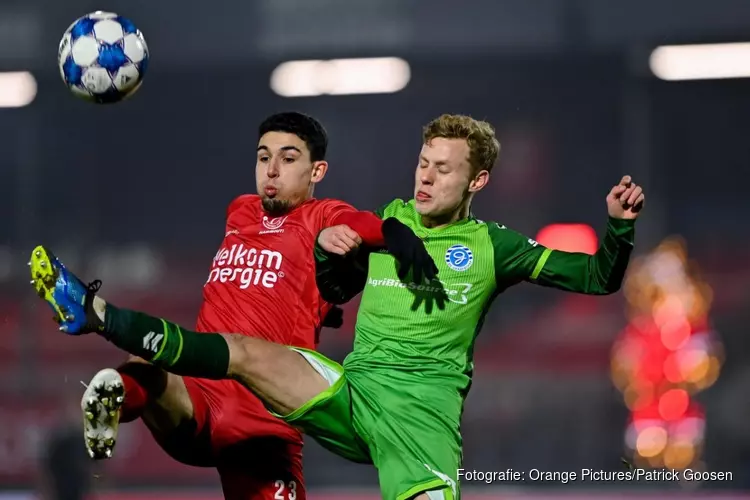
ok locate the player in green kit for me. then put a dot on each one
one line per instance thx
(401, 391)
(398, 398)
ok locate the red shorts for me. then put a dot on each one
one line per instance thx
(258, 456)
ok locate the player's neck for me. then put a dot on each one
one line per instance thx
(447, 219)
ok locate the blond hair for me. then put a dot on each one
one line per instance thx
(479, 136)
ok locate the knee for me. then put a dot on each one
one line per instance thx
(153, 379)
(242, 356)
(136, 359)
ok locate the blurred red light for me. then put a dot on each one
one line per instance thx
(673, 404)
(672, 370)
(675, 333)
(649, 413)
(569, 238)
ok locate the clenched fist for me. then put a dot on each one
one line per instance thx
(625, 200)
(339, 240)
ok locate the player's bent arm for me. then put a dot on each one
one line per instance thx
(397, 238)
(369, 225)
(598, 274)
(340, 279)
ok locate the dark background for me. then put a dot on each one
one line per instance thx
(136, 193)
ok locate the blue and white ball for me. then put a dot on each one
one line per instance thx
(103, 57)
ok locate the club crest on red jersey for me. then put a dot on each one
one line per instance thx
(272, 225)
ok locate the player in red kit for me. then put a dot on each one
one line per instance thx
(261, 283)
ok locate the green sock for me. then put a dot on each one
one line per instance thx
(165, 344)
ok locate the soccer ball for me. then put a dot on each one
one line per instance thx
(103, 57)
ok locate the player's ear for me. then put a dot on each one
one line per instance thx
(479, 181)
(319, 169)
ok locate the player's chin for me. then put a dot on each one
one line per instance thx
(425, 207)
(275, 206)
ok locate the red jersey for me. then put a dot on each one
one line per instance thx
(262, 279)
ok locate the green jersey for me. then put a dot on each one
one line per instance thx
(431, 327)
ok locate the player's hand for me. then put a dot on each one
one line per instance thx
(334, 318)
(339, 240)
(409, 251)
(625, 200)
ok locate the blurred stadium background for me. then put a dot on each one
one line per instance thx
(580, 93)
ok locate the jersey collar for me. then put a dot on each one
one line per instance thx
(425, 231)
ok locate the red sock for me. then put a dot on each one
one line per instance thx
(135, 398)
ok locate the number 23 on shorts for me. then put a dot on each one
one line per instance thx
(285, 491)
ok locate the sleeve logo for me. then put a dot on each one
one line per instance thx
(459, 258)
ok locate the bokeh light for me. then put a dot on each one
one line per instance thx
(675, 332)
(679, 455)
(673, 404)
(569, 238)
(651, 441)
(673, 369)
(665, 355)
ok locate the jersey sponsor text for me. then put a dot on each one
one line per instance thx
(456, 293)
(246, 266)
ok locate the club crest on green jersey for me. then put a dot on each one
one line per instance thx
(459, 257)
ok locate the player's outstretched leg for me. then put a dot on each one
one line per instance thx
(282, 378)
(101, 405)
(279, 376)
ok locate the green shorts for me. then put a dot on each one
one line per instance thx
(406, 425)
